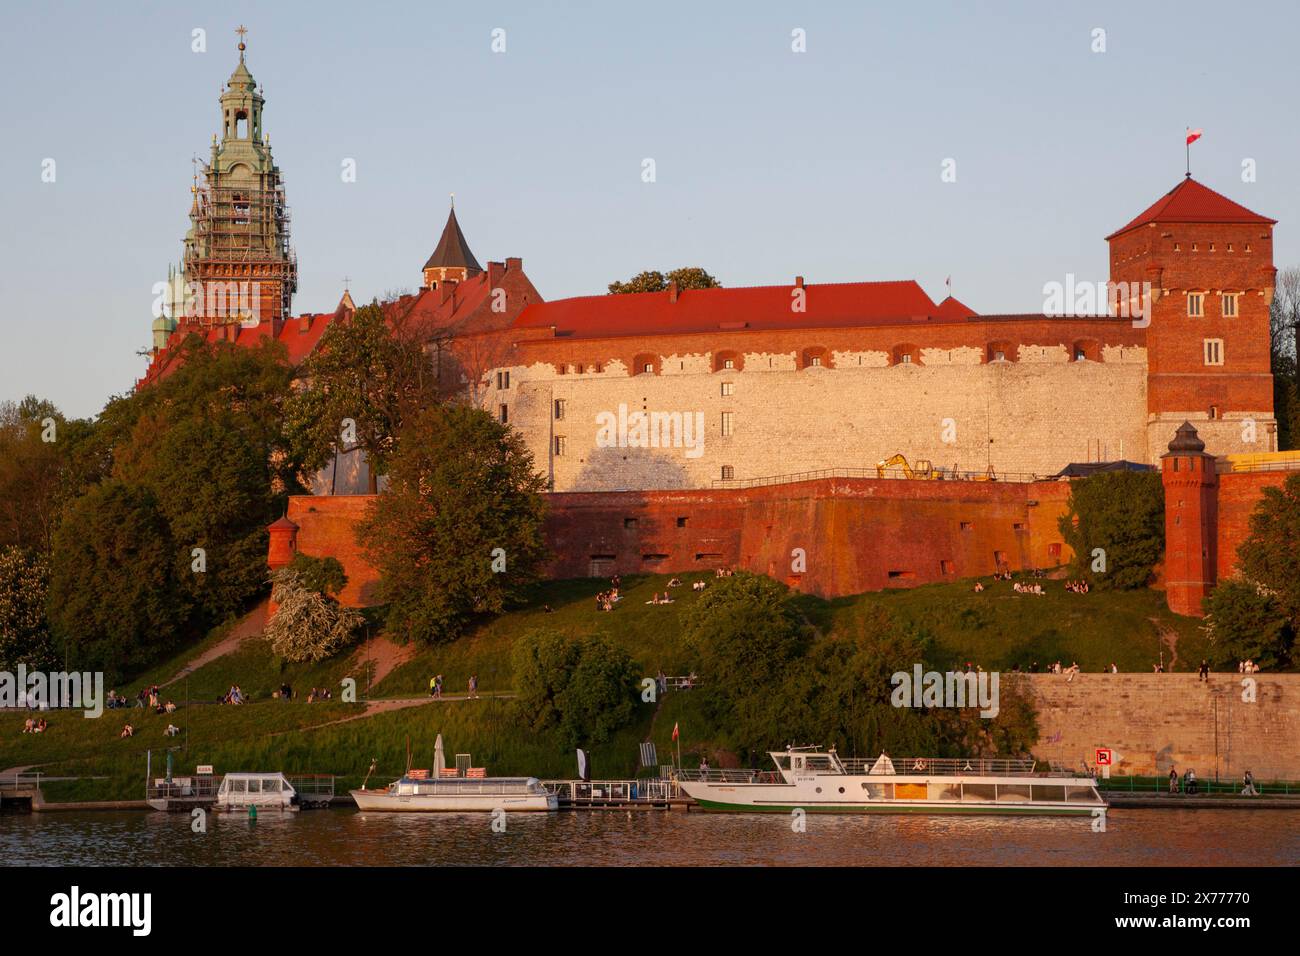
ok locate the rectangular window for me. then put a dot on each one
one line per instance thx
(727, 424)
(503, 379)
(505, 415)
(1195, 304)
(1230, 305)
(728, 473)
(629, 524)
(967, 526)
(561, 446)
(1214, 351)
(681, 522)
(729, 363)
(728, 388)
(559, 409)
(815, 361)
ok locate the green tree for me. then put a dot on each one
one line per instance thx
(322, 575)
(1270, 555)
(687, 277)
(24, 632)
(307, 625)
(114, 596)
(41, 469)
(1284, 326)
(1122, 513)
(458, 533)
(583, 688)
(361, 384)
(1244, 623)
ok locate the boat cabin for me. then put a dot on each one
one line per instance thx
(268, 790)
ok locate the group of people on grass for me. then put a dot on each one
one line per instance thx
(35, 726)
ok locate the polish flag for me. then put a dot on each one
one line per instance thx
(675, 732)
(1193, 135)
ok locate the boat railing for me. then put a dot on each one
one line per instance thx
(312, 784)
(578, 792)
(730, 776)
(195, 787)
(946, 766)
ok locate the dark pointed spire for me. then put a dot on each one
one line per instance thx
(1186, 440)
(453, 251)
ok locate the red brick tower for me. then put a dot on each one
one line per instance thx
(1209, 262)
(1191, 496)
(281, 551)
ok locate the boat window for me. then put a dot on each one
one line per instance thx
(945, 791)
(910, 791)
(879, 791)
(1081, 793)
(255, 786)
(1013, 792)
(271, 786)
(978, 792)
(237, 786)
(818, 763)
(1045, 792)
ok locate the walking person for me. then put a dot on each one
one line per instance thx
(1173, 780)
(1204, 671)
(1248, 785)
(473, 686)
(437, 687)
(433, 686)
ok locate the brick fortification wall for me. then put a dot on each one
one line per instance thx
(327, 528)
(1239, 493)
(856, 534)
(1157, 721)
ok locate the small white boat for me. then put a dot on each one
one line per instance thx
(458, 794)
(268, 792)
(818, 781)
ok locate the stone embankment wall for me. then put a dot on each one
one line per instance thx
(1155, 722)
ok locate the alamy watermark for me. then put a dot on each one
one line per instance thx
(1080, 298)
(949, 689)
(39, 690)
(642, 429)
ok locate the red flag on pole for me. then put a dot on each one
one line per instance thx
(1193, 135)
(675, 732)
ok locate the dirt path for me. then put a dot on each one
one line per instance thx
(1169, 638)
(384, 655)
(376, 707)
(250, 625)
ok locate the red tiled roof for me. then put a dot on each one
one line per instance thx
(953, 310)
(834, 305)
(1189, 201)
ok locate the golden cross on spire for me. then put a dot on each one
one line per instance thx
(241, 30)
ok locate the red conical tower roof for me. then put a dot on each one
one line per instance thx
(1190, 201)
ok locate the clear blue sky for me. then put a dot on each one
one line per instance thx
(769, 163)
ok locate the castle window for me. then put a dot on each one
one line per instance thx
(561, 446)
(1214, 351)
(503, 379)
(727, 361)
(681, 522)
(906, 355)
(1214, 412)
(505, 414)
(1086, 350)
(1230, 305)
(1195, 304)
(815, 357)
(945, 567)
(728, 388)
(629, 524)
(999, 352)
(728, 424)
(560, 405)
(966, 526)
(645, 365)
(728, 473)
(1229, 247)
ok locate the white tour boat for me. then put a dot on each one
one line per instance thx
(268, 792)
(455, 794)
(819, 781)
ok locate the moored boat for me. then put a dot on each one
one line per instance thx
(819, 781)
(268, 792)
(458, 794)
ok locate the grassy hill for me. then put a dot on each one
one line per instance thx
(996, 629)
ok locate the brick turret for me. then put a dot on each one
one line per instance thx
(1191, 505)
(281, 551)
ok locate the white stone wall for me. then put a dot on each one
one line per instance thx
(1033, 415)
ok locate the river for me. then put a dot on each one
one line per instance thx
(347, 837)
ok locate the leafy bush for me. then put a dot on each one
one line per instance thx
(1245, 622)
(1122, 513)
(307, 625)
(585, 688)
(24, 634)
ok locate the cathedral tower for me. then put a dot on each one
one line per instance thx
(452, 260)
(238, 265)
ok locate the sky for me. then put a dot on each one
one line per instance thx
(768, 163)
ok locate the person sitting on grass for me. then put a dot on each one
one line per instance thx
(29, 727)
(40, 726)
(127, 731)
(171, 731)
